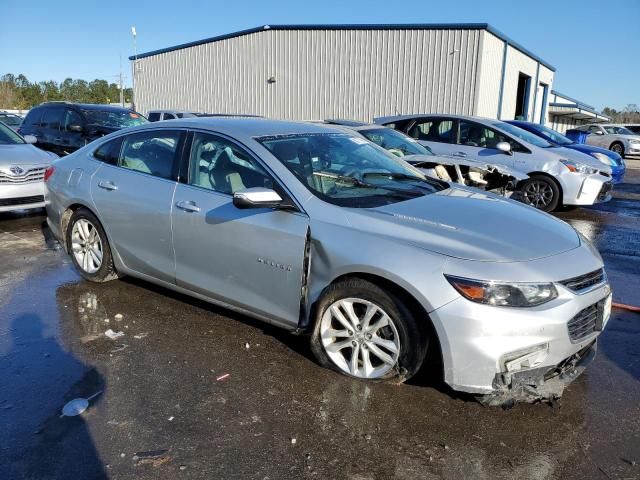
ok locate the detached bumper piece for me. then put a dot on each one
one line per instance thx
(544, 384)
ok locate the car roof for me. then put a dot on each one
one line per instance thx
(87, 106)
(399, 118)
(244, 127)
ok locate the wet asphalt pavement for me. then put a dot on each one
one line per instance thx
(162, 413)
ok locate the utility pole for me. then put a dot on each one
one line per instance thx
(121, 85)
(135, 66)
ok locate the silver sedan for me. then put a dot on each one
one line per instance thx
(320, 231)
(22, 171)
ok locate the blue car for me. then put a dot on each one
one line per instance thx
(615, 161)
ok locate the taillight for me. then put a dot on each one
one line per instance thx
(48, 172)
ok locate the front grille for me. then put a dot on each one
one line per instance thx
(585, 281)
(605, 190)
(30, 176)
(587, 321)
(8, 202)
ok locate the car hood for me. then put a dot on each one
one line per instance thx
(581, 157)
(451, 160)
(468, 224)
(24, 154)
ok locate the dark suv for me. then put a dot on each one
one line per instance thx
(62, 127)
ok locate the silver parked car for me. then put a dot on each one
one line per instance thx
(558, 176)
(320, 231)
(617, 138)
(22, 171)
(498, 179)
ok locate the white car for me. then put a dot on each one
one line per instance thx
(557, 176)
(22, 171)
(617, 138)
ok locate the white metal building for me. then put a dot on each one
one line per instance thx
(348, 71)
(566, 112)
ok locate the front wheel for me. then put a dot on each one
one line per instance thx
(89, 247)
(617, 148)
(541, 192)
(364, 332)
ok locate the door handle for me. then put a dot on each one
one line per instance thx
(188, 206)
(58, 139)
(107, 185)
(459, 154)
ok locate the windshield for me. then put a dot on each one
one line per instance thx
(9, 137)
(116, 119)
(349, 171)
(396, 142)
(522, 134)
(618, 131)
(12, 120)
(553, 136)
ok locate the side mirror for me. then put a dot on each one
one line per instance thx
(30, 139)
(257, 197)
(74, 127)
(504, 147)
(598, 132)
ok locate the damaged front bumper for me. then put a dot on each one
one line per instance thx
(539, 384)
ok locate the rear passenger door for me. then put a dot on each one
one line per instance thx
(70, 140)
(133, 196)
(437, 133)
(251, 258)
(50, 125)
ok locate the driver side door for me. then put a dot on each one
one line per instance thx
(249, 258)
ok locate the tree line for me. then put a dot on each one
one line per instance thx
(17, 92)
(629, 114)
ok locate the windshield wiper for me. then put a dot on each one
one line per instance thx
(403, 176)
(359, 183)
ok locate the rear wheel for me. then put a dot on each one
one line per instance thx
(618, 148)
(365, 332)
(89, 247)
(541, 192)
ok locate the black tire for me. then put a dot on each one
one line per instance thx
(107, 270)
(618, 148)
(540, 192)
(414, 340)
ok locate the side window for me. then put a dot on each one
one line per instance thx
(433, 130)
(71, 117)
(154, 116)
(219, 165)
(476, 135)
(33, 117)
(109, 152)
(168, 116)
(594, 129)
(152, 152)
(53, 118)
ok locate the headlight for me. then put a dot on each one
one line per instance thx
(635, 142)
(603, 158)
(504, 294)
(579, 167)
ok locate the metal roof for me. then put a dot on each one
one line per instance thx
(571, 99)
(391, 26)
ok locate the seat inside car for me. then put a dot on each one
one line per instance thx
(224, 174)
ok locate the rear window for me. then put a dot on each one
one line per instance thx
(154, 116)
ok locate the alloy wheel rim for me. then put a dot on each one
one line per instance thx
(538, 194)
(617, 149)
(360, 338)
(86, 245)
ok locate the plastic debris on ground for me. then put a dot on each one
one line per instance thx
(140, 336)
(77, 406)
(118, 317)
(113, 335)
(222, 377)
(153, 457)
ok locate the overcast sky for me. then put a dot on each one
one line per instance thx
(594, 44)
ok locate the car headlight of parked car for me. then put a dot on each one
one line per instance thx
(603, 158)
(503, 294)
(579, 167)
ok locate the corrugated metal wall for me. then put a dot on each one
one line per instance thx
(490, 75)
(319, 74)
